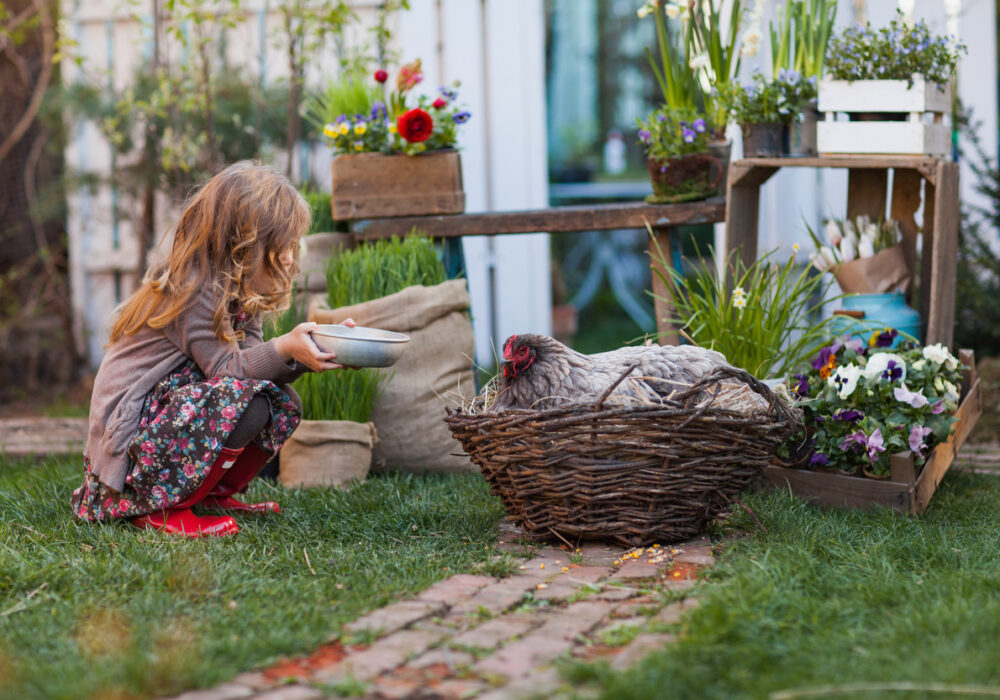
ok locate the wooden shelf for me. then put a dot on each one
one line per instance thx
(867, 193)
(588, 217)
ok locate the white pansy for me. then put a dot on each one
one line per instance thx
(950, 391)
(845, 379)
(939, 355)
(879, 363)
(919, 365)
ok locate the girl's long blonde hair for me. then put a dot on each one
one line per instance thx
(229, 238)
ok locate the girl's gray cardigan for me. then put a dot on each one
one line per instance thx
(135, 363)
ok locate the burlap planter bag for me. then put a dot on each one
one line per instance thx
(434, 373)
(317, 249)
(327, 453)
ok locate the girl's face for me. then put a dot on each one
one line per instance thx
(287, 257)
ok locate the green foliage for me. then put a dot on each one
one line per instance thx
(352, 93)
(678, 84)
(763, 101)
(382, 268)
(836, 603)
(673, 132)
(768, 324)
(800, 40)
(322, 212)
(897, 52)
(340, 394)
(110, 611)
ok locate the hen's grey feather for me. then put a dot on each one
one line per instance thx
(559, 374)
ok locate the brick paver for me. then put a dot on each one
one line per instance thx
(479, 637)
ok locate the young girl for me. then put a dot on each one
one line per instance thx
(189, 403)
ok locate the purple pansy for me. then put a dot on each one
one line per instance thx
(913, 398)
(875, 445)
(644, 135)
(854, 442)
(699, 125)
(938, 408)
(892, 371)
(802, 388)
(461, 117)
(885, 339)
(819, 460)
(917, 435)
(850, 415)
(688, 135)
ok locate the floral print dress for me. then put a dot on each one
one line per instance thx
(184, 422)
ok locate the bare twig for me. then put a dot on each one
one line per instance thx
(308, 563)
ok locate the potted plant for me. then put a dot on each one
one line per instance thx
(894, 84)
(680, 166)
(798, 49)
(762, 108)
(763, 318)
(333, 443)
(693, 63)
(401, 285)
(867, 259)
(375, 172)
(862, 404)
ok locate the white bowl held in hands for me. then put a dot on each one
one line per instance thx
(359, 346)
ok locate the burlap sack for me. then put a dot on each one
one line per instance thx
(327, 453)
(317, 249)
(434, 372)
(884, 272)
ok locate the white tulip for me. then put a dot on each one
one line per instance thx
(866, 246)
(847, 250)
(833, 232)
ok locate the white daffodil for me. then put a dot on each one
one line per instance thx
(878, 367)
(672, 10)
(939, 355)
(700, 61)
(845, 379)
(646, 9)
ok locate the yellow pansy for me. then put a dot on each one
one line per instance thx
(344, 128)
(360, 128)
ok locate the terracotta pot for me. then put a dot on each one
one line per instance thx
(683, 179)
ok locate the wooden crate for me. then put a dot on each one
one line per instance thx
(374, 185)
(906, 490)
(925, 132)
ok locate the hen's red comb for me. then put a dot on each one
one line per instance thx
(507, 354)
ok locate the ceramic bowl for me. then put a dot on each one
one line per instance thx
(360, 346)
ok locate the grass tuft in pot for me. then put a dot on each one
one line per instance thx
(378, 269)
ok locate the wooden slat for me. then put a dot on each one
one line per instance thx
(555, 219)
(841, 490)
(944, 454)
(905, 202)
(944, 256)
(902, 469)
(866, 193)
(662, 305)
(742, 212)
(922, 164)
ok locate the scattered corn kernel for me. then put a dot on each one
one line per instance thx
(565, 569)
(522, 567)
(542, 586)
(541, 566)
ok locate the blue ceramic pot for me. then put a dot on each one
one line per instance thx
(881, 311)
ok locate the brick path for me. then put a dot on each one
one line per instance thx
(496, 639)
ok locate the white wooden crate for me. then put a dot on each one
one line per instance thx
(926, 131)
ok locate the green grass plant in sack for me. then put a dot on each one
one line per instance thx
(400, 285)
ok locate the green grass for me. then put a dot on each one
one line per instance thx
(842, 599)
(108, 611)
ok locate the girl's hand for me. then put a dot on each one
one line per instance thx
(298, 345)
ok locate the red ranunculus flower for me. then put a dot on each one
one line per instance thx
(439, 103)
(415, 125)
(381, 75)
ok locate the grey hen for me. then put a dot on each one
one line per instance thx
(540, 372)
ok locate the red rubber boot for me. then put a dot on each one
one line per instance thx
(236, 479)
(180, 520)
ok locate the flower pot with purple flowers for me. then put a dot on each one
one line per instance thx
(680, 166)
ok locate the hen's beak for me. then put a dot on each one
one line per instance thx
(508, 370)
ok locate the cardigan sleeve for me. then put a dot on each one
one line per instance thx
(193, 334)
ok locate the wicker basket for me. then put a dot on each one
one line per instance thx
(632, 474)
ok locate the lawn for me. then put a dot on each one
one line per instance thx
(108, 611)
(824, 599)
(837, 600)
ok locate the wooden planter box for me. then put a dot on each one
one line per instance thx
(375, 185)
(906, 490)
(925, 132)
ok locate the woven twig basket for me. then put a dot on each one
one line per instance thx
(631, 474)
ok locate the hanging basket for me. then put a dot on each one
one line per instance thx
(633, 474)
